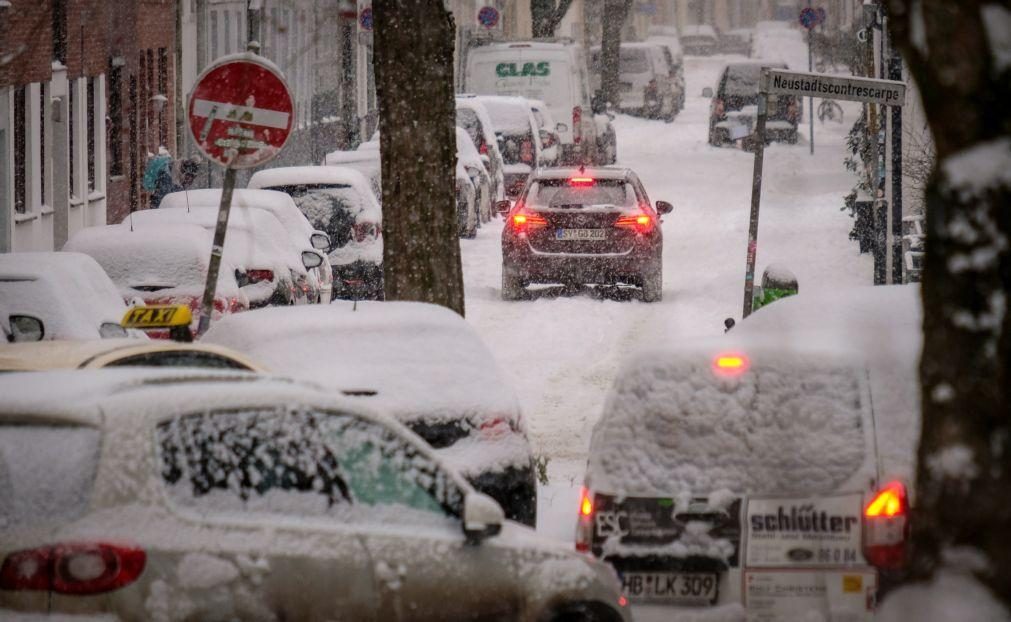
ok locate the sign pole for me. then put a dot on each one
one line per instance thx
(217, 248)
(756, 191)
(810, 100)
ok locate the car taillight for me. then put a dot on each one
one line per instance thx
(584, 528)
(363, 231)
(483, 149)
(577, 124)
(718, 108)
(494, 429)
(886, 527)
(527, 151)
(640, 223)
(524, 220)
(258, 276)
(76, 568)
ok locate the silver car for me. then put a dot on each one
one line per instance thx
(168, 495)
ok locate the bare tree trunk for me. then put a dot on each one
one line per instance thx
(964, 459)
(545, 16)
(615, 13)
(414, 84)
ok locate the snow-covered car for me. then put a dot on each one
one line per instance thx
(518, 138)
(734, 109)
(736, 41)
(421, 363)
(339, 201)
(68, 292)
(699, 40)
(268, 268)
(744, 475)
(468, 158)
(472, 116)
(646, 86)
(163, 265)
(550, 140)
(670, 45)
(99, 353)
(203, 495)
(583, 226)
(365, 161)
(303, 235)
(607, 138)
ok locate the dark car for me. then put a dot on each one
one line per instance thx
(583, 226)
(735, 105)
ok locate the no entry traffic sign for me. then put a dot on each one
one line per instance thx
(488, 16)
(240, 112)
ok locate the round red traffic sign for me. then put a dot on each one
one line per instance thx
(240, 112)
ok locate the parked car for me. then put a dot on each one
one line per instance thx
(607, 138)
(518, 138)
(554, 72)
(472, 116)
(68, 293)
(670, 45)
(743, 461)
(737, 41)
(585, 225)
(646, 85)
(422, 364)
(699, 40)
(734, 107)
(339, 201)
(99, 353)
(268, 269)
(146, 494)
(466, 194)
(162, 265)
(303, 234)
(468, 158)
(550, 140)
(365, 162)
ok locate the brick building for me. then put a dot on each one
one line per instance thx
(85, 93)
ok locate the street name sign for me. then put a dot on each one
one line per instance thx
(870, 90)
(241, 112)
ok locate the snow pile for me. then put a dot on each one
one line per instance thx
(951, 595)
(781, 44)
(69, 292)
(673, 423)
(997, 21)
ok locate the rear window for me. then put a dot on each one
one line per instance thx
(46, 473)
(672, 426)
(560, 194)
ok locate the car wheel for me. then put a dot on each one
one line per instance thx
(652, 285)
(512, 284)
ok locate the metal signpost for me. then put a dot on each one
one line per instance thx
(779, 82)
(809, 18)
(240, 115)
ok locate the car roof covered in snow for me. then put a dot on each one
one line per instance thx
(423, 361)
(509, 113)
(69, 292)
(746, 415)
(48, 355)
(296, 175)
(277, 203)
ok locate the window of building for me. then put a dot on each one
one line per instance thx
(20, 150)
(60, 30)
(228, 31)
(115, 119)
(91, 134)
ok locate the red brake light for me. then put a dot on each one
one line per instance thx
(73, 568)
(886, 527)
(731, 364)
(641, 222)
(888, 503)
(483, 149)
(586, 506)
(581, 181)
(257, 275)
(522, 219)
(584, 528)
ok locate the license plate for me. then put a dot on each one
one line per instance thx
(676, 588)
(580, 234)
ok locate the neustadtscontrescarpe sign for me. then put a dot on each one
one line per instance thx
(887, 92)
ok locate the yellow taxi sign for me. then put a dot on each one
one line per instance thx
(157, 316)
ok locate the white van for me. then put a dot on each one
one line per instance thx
(553, 72)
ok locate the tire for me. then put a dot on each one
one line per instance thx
(652, 285)
(512, 284)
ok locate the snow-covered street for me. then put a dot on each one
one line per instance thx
(561, 349)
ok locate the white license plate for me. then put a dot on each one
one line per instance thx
(677, 588)
(581, 234)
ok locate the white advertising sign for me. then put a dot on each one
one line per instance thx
(887, 92)
(804, 532)
(841, 595)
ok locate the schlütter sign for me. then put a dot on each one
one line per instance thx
(887, 92)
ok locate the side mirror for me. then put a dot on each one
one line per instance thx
(26, 328)
(561, 128)
(482, 517)
(311, 259)
(320, 241)
(503, 207)
(663, 207)
(707, 92)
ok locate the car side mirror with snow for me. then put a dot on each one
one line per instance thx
(26, 328)
(663, 207)
(482, 517)
(707, 92)
(503, 207)
(320, 241)
(311, 259)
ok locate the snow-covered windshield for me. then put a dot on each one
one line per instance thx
(46, 473)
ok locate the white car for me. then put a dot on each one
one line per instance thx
(721, 468)
(518, 138)
(646, 87)
(303, 235)
(472, 116)
(339, 201)
(421, 363)
(170, 495)
(365, 161)
(68, 292)
(468, 158)
(550, 139)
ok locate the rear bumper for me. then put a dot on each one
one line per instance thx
(359, 280)
(605, 269)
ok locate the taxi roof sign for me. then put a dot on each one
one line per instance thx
(157, 316)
